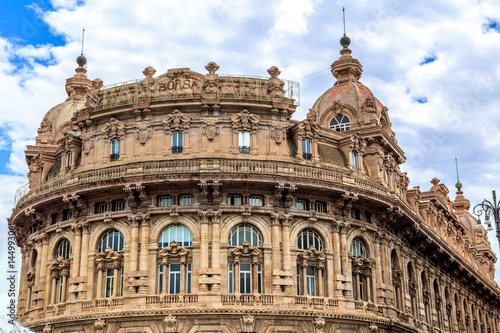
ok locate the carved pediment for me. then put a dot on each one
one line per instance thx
(114, 129)
(176, 121)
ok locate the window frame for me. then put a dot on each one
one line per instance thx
(308, 234)
(307, 149)
(119, 238)
(244, 142)
(241, 230)
(341, 125)
(358, 248)
(165, 198)
(185, 240)
(177, 142)
(232, 198)
(252, 199)
(186, 200)
(115, 150)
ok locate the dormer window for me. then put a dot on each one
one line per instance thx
(340, 123)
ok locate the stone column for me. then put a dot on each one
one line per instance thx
(358, 289)
(368, 284)
(336, 249)
(286, 250)
(216, 248)
(236, 265)
(85, 250)
(144, 244)
(204, 248)
(53, 289)
(63, 289)
(44, 269)
(75, 266)
(100, 270)
(165, 278)
(23, 290)
(320, 280)
(275, 252)
(378, 263)
(343, 247)
(134, 243)
(38, 266)
(183, 276)
(116, 279)
(254, 277)
(304, 279)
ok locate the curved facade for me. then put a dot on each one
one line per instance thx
(191, 202)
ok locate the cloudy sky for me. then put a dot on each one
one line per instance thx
(434, 64)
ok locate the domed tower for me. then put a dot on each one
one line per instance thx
(189, 202)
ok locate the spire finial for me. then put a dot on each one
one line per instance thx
(344, 41)
(81, 60)
(83, 38)
(458, 185)
(343, 13)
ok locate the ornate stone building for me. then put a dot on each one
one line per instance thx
(191, 202)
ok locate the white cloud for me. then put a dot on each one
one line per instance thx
(291, 17)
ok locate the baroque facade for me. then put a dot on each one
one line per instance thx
(191, 202)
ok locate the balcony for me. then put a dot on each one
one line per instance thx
(244, 149)
(176, 149)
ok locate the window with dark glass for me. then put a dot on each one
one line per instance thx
(256, 200)
(69, 157)
(245, 232)
(306, 149)
(234, 199)
(340, 123)
(115, 150)
(354, 156)
(164, 201)
(177, 142)
(63, 250)
(112, 239)
(320, 207)
(308, 238)
(118, 205)
(301, 204)
(101, 207)
(186, 200)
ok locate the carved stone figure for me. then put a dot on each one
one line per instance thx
(113, 129)
(278, 132)
(176, 121)
(142, 131)
(45, 127)
(245, 121)
(319, 325)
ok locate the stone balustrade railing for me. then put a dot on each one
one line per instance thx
(325, 173)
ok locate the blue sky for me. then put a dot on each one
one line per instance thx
(434, 64)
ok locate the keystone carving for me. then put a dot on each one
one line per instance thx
(247, 323)
(319, 325)
(170, 323)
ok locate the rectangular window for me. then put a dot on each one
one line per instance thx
(108, 282)
(160, 278)
(355, 214)
(186, 200)
(67, 214)
(115, 150)
(59, 289)
(306, 149)
(164, 201)
(118, 205)
(101, 207)
(244, 142)
(256, 200)
(245, 278)
(234, 200)
(311, 282)
(189, 273)
(320, 207)
(230, 278)
(354, 156)
(69, 158)
(301, 204)
(259, 278)
(174, 279)
(177, 142)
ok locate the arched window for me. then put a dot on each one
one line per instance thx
(113, 239)
(179, 233)
(308, 238)
(63, 250)
(340, 123)
(357, 248)
(413, 287)
(397, 276)
(245, 232)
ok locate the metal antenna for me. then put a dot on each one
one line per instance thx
(343, 14)
(83, 38)
(456, 164)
